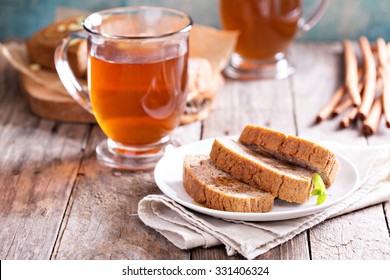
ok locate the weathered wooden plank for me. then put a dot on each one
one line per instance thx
(39, 161)
(186, 134)
(102, 214)
(294, 249)
(215, 253)
(265, 102)
(352, 236)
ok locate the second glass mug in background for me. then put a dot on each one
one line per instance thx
(266, 30)
(137, 80)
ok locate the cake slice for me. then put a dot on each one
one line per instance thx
(286, 181)
(292, 149)
(218, 190)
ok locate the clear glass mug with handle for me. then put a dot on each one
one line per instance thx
(137, 80)
(266, 30)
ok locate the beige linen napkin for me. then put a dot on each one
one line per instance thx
(187, 229)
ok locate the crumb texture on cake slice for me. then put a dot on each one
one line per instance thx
(216, 189)
(293, 149)
(288, 182)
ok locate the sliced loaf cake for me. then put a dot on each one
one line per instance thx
(283, 180)
(218, 190)
(292, 149)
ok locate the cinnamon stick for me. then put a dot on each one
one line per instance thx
(342, 106)
(384, 72)
(349, 117)
(327, 110)
(371, 123)
(385, 75)
(370, 78)
(382, 53)
(347, 102)
(351, 73)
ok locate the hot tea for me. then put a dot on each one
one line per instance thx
(138, 103)
(137, 80)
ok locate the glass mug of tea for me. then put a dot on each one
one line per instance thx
(137, 80)
(266, 30)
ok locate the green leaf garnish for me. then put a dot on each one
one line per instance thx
(319, 189)
(321, 198)
(315, 192)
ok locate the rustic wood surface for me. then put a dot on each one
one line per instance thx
(57, 202)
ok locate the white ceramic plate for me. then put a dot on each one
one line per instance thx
(169, 172)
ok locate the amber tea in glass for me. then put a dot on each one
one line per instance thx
(266, 30)
(137, 80)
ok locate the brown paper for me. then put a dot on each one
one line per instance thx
(16, 55)
(213, 44)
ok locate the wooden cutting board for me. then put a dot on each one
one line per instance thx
(53, 104)
(45, 93)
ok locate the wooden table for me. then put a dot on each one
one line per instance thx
(57, 202)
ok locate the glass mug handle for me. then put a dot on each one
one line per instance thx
(306, 25)
(68, 79)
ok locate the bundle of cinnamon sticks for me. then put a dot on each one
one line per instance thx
(365, 95)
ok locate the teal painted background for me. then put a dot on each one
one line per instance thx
(343, 18)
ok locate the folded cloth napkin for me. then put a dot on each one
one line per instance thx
(187, 229)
